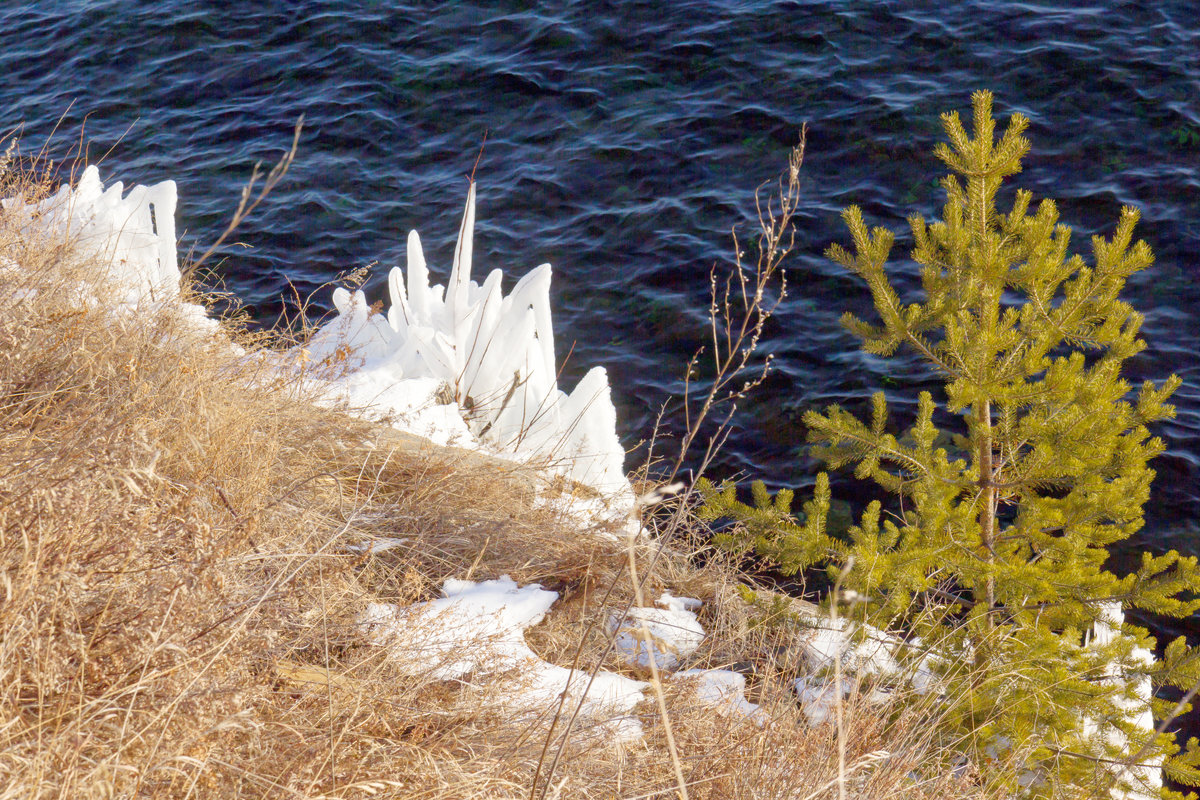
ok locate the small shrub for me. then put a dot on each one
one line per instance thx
(996, 551)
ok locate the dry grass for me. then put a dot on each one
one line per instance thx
(179, 593)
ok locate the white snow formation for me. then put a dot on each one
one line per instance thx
(818, 697)
(666, 634)
(490, 355)
(1133, 707)
(135, 233)
(471, 627)
(493, 354)
(475, 633)
(864, 650)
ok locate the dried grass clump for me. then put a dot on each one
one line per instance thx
(178, 526)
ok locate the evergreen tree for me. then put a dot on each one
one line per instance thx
(994, 556)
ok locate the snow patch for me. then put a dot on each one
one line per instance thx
(724, 689)
(471, 627)
(666, 634)
(864, 649)
(819, 696)
(475, 633)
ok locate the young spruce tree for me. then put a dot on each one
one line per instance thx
(994, 556)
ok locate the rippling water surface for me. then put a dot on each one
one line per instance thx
(623, 141)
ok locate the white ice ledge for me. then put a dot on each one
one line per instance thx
(492, 353)
(134, 233)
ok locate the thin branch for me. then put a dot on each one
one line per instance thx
(738, 314)
(247, 205)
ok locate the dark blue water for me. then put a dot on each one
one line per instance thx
(623, 140)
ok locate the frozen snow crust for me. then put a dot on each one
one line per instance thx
(492, 355)
(475, 632)
(665, 635)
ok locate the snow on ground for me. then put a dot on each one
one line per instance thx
(666, 634)
(606, 699)
(724, 689)
(472, 627)
(134, 233)
(863, 651)
(410, 405)
(861, 648)
(819, 696)
(475, 632)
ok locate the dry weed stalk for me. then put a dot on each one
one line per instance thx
(249, 202)
(740, 305)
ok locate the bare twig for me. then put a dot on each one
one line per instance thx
(638, 583)
(247, 205)
(837, 683)
(739, 308)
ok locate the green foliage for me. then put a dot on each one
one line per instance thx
(770, 610)
(772, 531)
(995, 551)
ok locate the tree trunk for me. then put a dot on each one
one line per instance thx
(987, 489)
